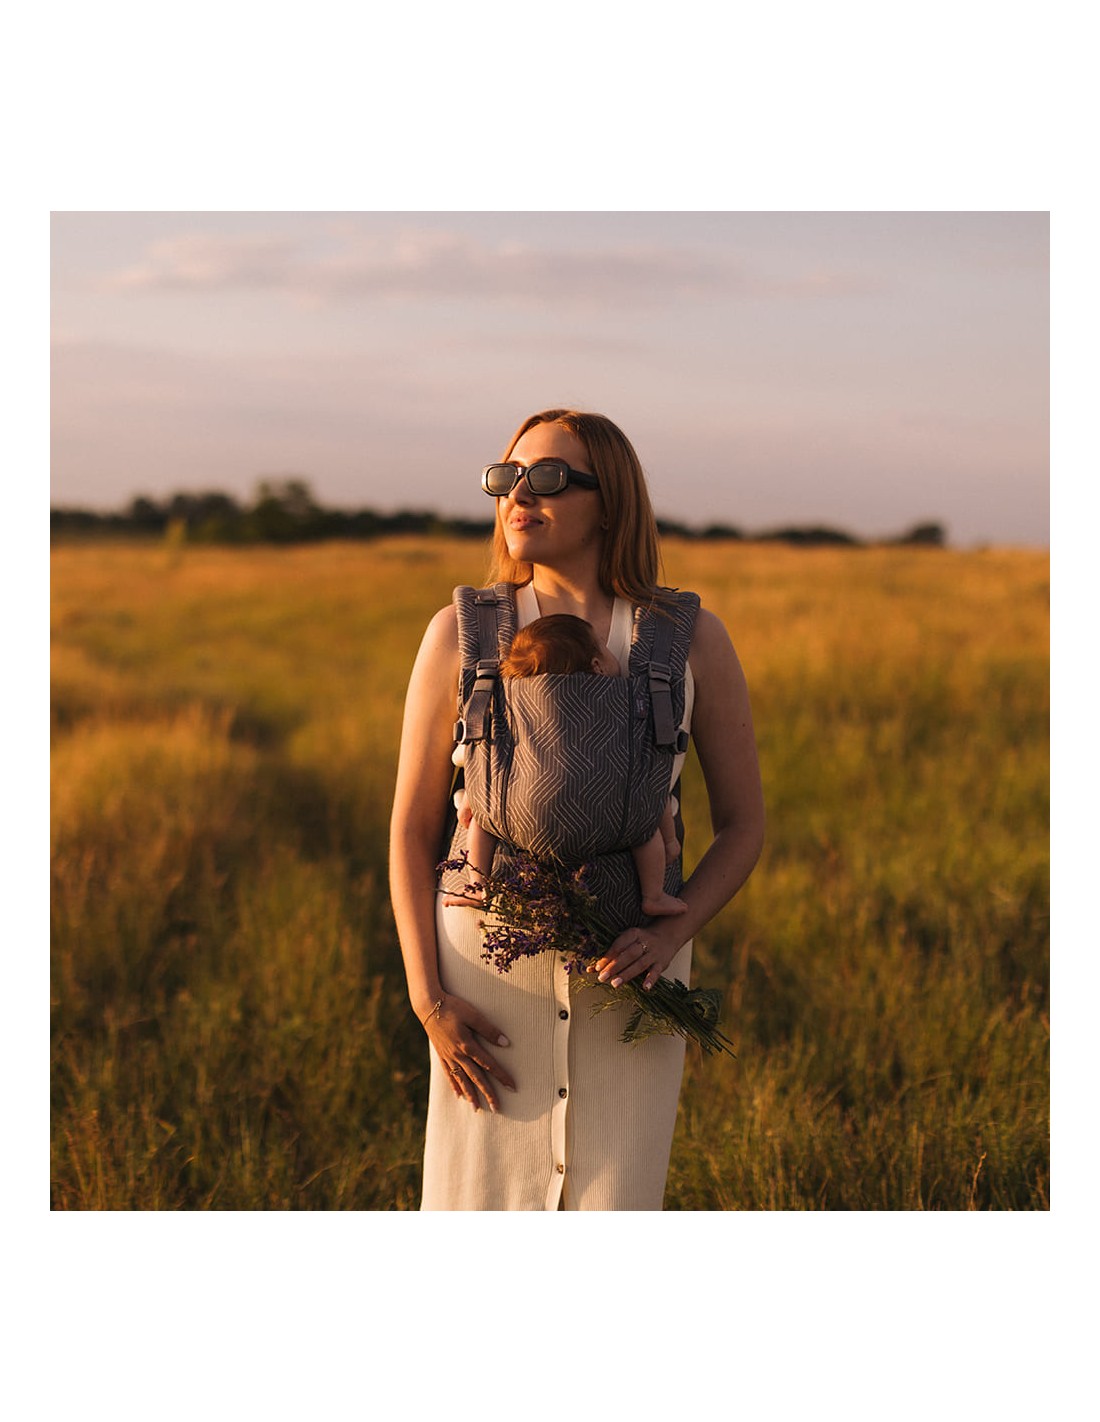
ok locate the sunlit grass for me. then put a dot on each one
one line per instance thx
(230, 1024)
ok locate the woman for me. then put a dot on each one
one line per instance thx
(533, 1105)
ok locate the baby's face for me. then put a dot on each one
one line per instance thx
(605, 664)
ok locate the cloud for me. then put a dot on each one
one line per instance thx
(207, 263)
(434, 265)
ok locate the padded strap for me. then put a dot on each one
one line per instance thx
(659, 650)
(492, 614)
(488, 664)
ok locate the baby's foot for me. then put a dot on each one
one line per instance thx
(664, 906)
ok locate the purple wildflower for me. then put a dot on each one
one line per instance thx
(534, 906)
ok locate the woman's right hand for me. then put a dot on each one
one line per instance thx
(454, 1032)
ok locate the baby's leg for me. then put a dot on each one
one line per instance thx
(667, 831)
(480, 848)
(649, 860)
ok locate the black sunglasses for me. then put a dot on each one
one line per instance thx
(545, 476)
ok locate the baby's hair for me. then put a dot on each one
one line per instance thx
(557, 644)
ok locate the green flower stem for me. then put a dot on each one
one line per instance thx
(668, 1008)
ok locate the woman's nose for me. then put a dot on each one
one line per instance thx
(522, 494)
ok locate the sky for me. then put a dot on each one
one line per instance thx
(865, 370)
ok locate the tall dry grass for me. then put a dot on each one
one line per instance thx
(229, 1022)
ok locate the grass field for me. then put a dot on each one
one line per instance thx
(230, 1027)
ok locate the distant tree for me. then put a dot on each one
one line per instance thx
(77, 521)
(810, 537)
(181, 506)
(216, 518)
(924, 535)
(721, 530)
(364, 523)
(284, 512)
(217, 505)
(294, 496)
(145, 515)
(220, 528)
(408, 521)
(469, 528)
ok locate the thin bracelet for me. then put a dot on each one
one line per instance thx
(434, 1012)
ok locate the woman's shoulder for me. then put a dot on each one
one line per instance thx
(443, 627)
(707, 624)
(712, 648)
(440, 638)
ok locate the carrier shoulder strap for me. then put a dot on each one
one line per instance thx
(669, 629)
(487, 622)
(486, 626)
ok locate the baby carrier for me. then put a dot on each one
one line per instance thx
(576, 767)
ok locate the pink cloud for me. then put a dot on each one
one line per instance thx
(421, 263)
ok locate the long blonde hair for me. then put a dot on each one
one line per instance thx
(630, 556)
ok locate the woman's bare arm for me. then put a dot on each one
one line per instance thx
(416, 829)
(420, 805)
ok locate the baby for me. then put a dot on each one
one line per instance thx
(563, 644)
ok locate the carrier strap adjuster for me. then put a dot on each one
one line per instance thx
(481, 699)
(660, 698)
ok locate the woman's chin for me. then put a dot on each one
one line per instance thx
(519, 544)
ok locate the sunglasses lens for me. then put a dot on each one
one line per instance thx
(499, 479)
(545, 478)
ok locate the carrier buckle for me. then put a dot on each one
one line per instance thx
(660, 699)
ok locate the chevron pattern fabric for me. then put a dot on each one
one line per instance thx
(569, 773)
(569, 770)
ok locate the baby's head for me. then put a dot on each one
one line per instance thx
(558, 644)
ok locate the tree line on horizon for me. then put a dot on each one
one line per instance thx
(285, 511)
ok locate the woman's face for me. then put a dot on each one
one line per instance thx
(560, 528)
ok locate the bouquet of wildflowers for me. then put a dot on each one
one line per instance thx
(537, 906)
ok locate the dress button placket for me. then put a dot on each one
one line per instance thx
(560, 1102)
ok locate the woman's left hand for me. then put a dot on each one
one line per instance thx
(646, 950)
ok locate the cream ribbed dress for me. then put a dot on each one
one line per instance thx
(590, 1124)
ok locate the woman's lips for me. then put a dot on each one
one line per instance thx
(524, 522)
